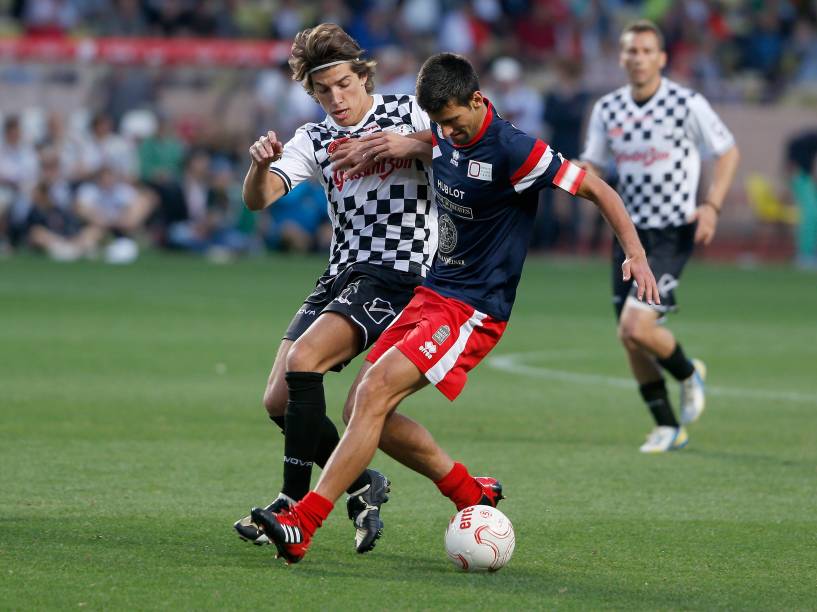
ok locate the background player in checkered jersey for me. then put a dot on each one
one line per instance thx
(653, 131)
(487, 178)
(384, 238)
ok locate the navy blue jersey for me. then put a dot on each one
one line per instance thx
(486, 192)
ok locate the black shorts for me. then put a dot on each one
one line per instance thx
(370, 296)
(668, 251)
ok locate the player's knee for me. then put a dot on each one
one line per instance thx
(301, 357)
(631, 333)
(372, 397)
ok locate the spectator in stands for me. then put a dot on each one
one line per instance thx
(113, 205)
(565, 107)
(161, 155)
(57, 230)
(18, 175)
(520, 103)
(102, 147)
(59, 142)
(298, 222)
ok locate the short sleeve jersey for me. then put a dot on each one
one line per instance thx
(486, 193)
(384, 216)
(656, 149)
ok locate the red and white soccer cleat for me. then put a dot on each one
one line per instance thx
(491, 491)
(285, 531)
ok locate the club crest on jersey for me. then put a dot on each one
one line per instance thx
(455, 158)
(441, 334)
(447, 234)
(428, 349)
(379, 310)
(482, 171)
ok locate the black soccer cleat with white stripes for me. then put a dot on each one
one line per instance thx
(285, 531)
(363, 507)
(249, 531)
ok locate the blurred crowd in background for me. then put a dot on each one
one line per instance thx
(154, 155)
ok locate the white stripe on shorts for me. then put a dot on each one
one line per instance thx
(444, 365)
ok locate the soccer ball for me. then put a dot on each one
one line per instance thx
(479, 539)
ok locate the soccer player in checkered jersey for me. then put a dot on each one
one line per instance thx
(374, 169)
(653, 131)
(487, 175)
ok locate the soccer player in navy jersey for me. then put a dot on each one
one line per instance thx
(487, 174)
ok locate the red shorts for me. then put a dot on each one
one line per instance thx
(443, 337)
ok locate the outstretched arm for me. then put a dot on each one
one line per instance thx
(635, 265)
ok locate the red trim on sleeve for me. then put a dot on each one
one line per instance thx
(433, 139)
(578, 182)
(561, 172)
(535, 155)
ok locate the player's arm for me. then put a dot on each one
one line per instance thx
(709, 210)
(587, 166)
(713, 138)
(262, 187)
(357, 154)
(635, 265)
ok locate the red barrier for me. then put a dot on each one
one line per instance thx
(145, 51)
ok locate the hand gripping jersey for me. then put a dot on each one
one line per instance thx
(384, 216)
(655, 149)
(486, 193)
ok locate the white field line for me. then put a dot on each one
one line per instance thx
(514, 363)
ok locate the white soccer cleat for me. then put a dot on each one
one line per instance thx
(664, 438)
(693, 397)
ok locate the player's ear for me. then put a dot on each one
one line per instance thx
(477, 100)
(662, 60)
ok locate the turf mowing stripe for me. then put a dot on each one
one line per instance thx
(514, 363)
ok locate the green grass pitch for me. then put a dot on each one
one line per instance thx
(132, 435)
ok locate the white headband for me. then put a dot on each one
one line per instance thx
(329, 64)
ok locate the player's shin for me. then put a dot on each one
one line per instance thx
(677, 363)
(655, 396)
(306, 410)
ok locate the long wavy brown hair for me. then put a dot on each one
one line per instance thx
(326, 43)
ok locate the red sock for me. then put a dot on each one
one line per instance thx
(460, 487)
(313, 510)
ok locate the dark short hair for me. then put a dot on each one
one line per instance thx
(642, 26)
(444, 78)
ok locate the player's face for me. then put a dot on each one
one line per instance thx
(342, 94)
(461, 123)
(642, 58)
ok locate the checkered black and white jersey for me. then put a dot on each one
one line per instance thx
(656, 149)
(384, 216)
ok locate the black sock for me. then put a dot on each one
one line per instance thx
(677, 364)
(326, 446)
(657, 400)
(306, 409)
(327, 442)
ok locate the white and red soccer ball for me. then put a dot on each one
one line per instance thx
(479, 539)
